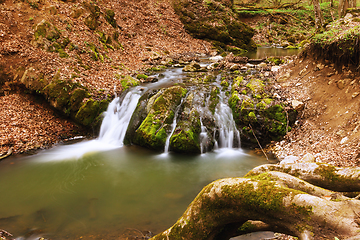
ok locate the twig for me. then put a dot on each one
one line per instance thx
(9, 152)
(259, 143)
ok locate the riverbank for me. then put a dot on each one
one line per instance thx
(329, 124)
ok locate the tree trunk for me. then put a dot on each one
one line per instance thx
(277, 201)
(343, 5)
(319, 22)
(352, 3)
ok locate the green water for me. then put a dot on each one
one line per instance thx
(108, 194)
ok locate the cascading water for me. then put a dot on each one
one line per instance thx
(112, 131)
(203, 137)
(229, 135)
(173, 127)
(117, 118)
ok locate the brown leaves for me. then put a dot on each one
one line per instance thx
(26, 123)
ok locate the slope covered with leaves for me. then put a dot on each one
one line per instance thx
(85, 46)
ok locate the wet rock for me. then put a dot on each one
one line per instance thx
(160, 108)
(216, 59)
(192, 67)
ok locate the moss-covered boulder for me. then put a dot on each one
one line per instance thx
(214, 20)
(154, 129)
(186, 137)
(255, 112)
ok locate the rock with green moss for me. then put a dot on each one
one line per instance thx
(128, 81)
(186, 137)
(110, 17)
(215, 20)
(256, 113)
(156, 126)
(92, 20)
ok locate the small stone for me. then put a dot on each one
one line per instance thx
(275, 68)
(355, 94)
(284, 77)
(192, 67)
(344, 140)
(340, 84)
(262, 65)
(330, 74)
(302, 71)
(234, 67)
(249, 65)
(297, 105)
(320, 66)
(308, 158)
(216, 59)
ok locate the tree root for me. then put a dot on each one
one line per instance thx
(278, 197)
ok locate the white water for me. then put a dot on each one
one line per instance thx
(173, 126)
(229, 135)
(112, 131)
(204, 138)
(117, 118)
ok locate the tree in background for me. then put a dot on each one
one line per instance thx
(319, 22)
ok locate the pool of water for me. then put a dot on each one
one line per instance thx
(107, 194)
(264, 52)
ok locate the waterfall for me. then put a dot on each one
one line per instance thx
(117, 118)
(173, 126)
(203, 138)
(229, 135)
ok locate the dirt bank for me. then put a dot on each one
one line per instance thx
(329, 125)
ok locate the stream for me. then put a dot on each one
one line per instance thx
(101, 189)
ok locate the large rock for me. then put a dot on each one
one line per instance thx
(156, 126)
(214, 20)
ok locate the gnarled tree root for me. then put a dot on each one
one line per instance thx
(282, 202)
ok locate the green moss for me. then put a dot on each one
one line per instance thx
(264, 104)
(142, 76)
(224, 83)
(128, 82)
(185, 141)
(214, 99)
(110, 17)
(87, 112)
(257, 87)
(152, 131)
(275, 60)
(237, 83)
(252, 117)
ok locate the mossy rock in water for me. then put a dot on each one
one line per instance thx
(153, 131)
(186, 137)
(214, 20)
